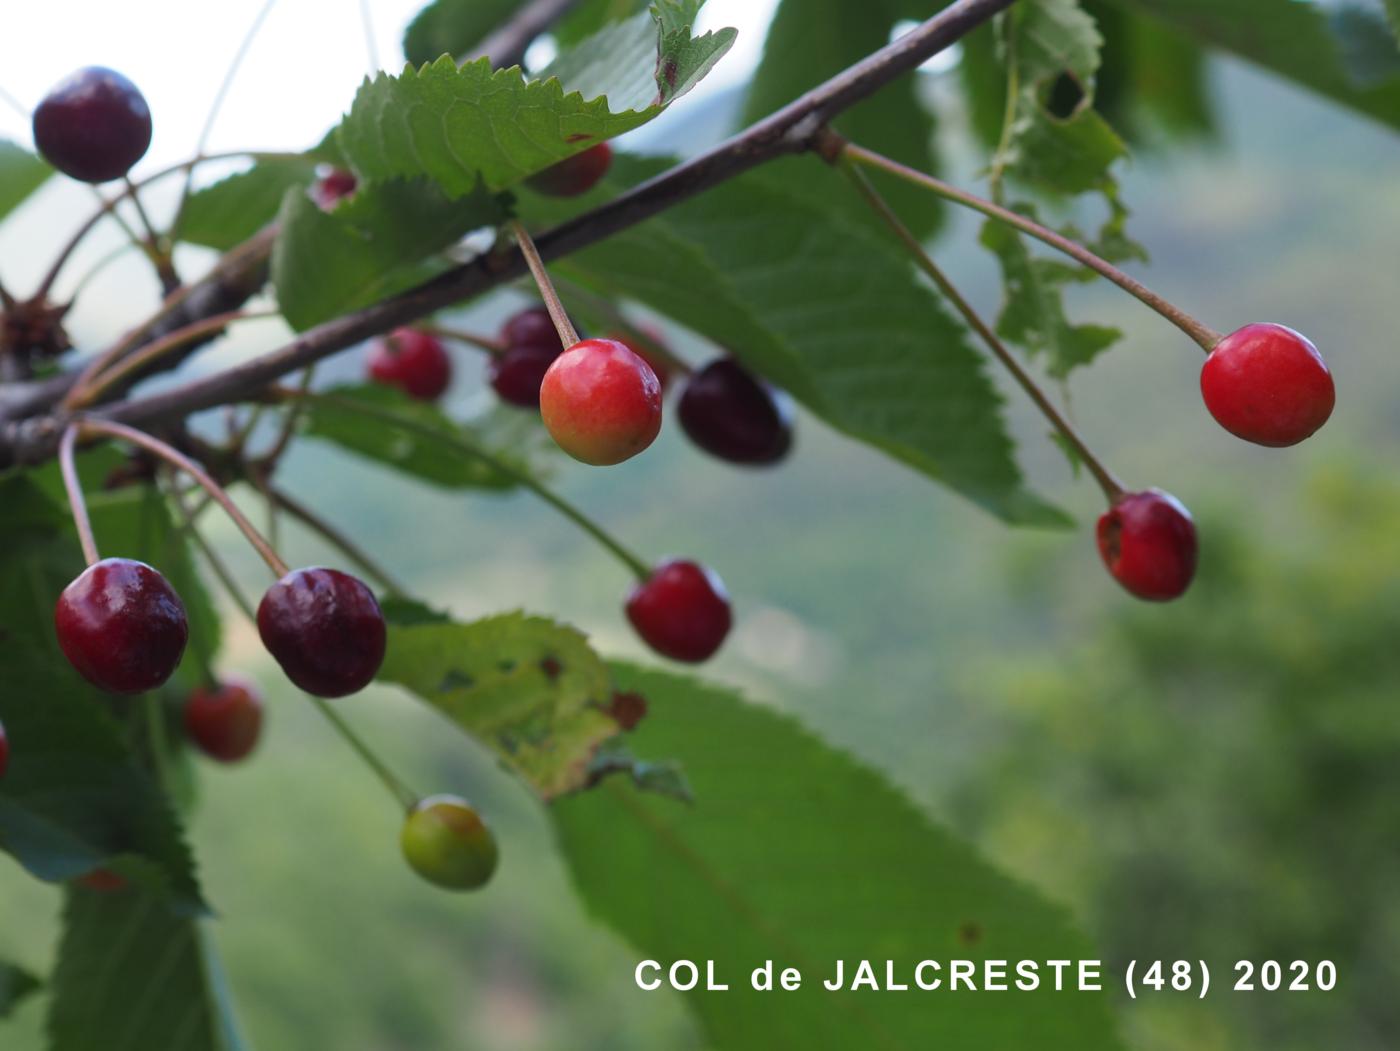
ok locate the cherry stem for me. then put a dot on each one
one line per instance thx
(396, 787)
(491, 346)
(91, 387)
(109, 205)
(74, 489)
(1207, 337)
(290, 420)
(348, 547)
(1111, 486)
(567, 334)
(614, 317)
(466, 448)
(178, 459)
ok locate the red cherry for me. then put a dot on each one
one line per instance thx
(517, 373)
(93, 125)
(574, 175)
(103, 881)
(412, 360)
(333, 187)
(121, 625)
(325, 629)
(533, 325)
(681, 611)
(601, 402)
(732, 414)
(1268, 384)
(225, 721)
(4, 750)
(1148, 543)
(659, 364)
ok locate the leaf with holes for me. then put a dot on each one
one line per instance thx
(531, 689)
(233, 209)
(825, 307)
(132, 976)
(795, 853)
(471, 126)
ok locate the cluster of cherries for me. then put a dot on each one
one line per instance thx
(123, 627)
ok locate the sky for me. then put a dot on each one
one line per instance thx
(299, 76)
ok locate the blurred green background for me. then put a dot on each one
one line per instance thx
(1216, 778)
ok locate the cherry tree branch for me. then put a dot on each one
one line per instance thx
(792, 129)
(506, 45)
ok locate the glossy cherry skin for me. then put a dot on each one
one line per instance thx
(601, 402)
(659, 364)
(681, 611)
(516, 374)
(4, 750)
(325, 629)
(93, 125)
(122, 626)
(1268, 384)
(574, 175)
(733, 415)
(1148, 543)
(225, 722)
(333, 187)
(414, 361)
(446, 842)
(531, 327)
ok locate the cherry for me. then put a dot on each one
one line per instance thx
(533, 326)
(412, 360)
(333, 187)
(93, 125)
(325, 629)
(732, 414)
(681, 611)
(1268, 384)
(121, 625)
(446, 842)
(517, 373)
(574, 175)
(225, 721)
(1148, 543)
(658, 363)
(4, 750)
(601, 402)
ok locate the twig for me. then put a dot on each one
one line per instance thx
(506, 46)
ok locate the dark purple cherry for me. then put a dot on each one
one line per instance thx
(325, 629)
(94, 125)
(121, 625)
(732, 414)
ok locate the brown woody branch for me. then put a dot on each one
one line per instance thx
(792, 129)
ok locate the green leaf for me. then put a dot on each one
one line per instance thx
(812, 40)
(73, 799)
(132, 976)
(15, 984)
(1034, 313)
(529, 688)
(404, 450)
(794, 852)
(234, 209)
(1331, 50)
(469, 126)
(1392, 11)
(371, 246)
(21, 173)
(586, 18)
(827, 308)
(453, 27)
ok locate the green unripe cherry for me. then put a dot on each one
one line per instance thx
(447, 843)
